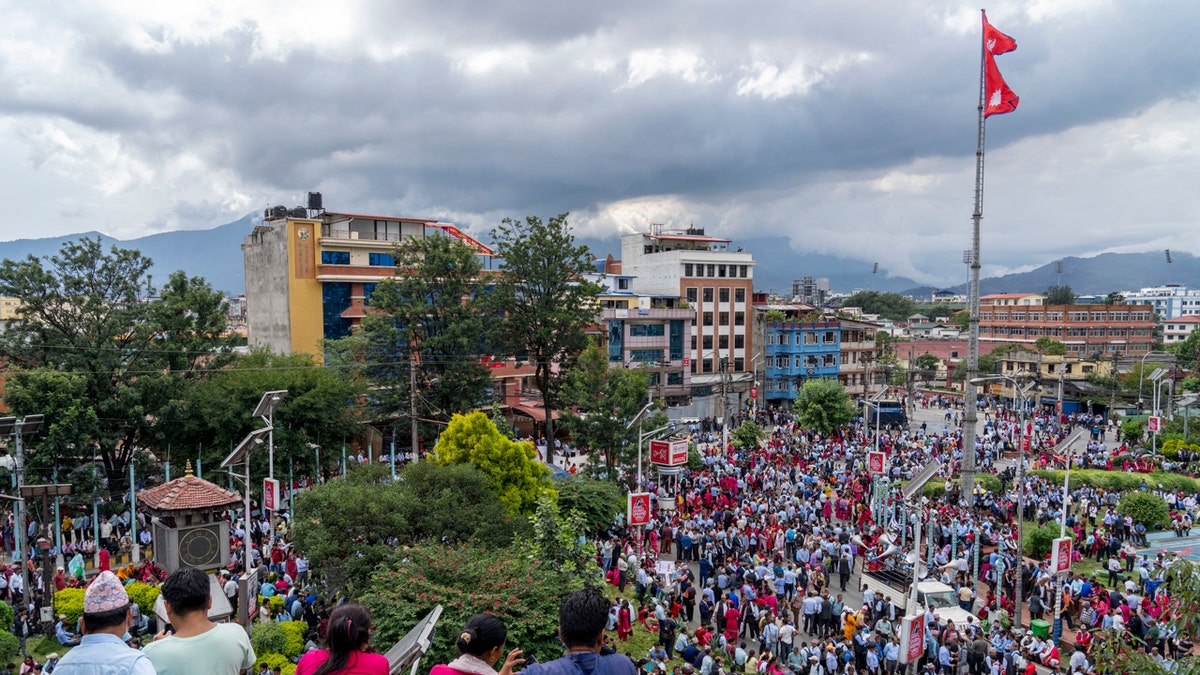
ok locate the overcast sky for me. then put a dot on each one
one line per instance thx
(847, 126)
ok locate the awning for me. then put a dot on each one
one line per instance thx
(354, 312)
(531, 410)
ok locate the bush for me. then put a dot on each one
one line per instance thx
(273, 661)
(6, 617)
(990, 482)
(467, 580)
(275, 601)
(10, 647)
(935, 489)
(596, 501)
(1145, 508)
(69, 601)
(1121, 480)
(144, 595)
(269, 638)
(294, 631)
(1039, 540)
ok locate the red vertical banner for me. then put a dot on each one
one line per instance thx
(639, 508)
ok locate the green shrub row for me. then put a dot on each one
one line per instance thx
(1121, 480)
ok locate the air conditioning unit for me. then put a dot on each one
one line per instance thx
(353, 234)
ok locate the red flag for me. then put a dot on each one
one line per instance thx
(994, 41)
(998, 98)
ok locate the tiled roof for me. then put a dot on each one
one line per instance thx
(186, 494)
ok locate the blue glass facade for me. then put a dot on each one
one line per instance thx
(796, 352)
(335, 299)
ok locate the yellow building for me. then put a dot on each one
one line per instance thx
(309, 272)
(8, 308)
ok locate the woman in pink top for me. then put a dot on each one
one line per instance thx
(346, 644)
(480, 646)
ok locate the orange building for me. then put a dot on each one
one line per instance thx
(1107, 330)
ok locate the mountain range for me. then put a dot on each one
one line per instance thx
(216, 255)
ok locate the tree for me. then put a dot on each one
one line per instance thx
(775, 316)
(925, 367)
(596, 501)
(355, 522)
(1146, 508)
(748, 435)
(517, 477)
(1122, 652)
(987, 366)
(1048, 345)
(1187, 351)
(603, 400)
(1190, 383)
(430, 317)
(962, 319)
(823, 405)
(1060, 295)
(1114, 298)
(213, 413)
(545, 301)
(100, 354)
(889, 305)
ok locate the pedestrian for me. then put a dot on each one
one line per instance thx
(106, 620)
(346, 641)
(196, 645)
(480, 645)
(581, 619)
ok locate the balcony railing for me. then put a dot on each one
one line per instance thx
(354, 235)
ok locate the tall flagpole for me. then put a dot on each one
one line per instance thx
(970, 395)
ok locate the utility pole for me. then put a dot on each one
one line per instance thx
(724, 365)
(412, 401)
(18, 430)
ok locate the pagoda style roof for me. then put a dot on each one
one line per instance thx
(188, 493)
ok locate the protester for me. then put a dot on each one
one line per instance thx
(480, 645)
(347, 644)
(197, 646)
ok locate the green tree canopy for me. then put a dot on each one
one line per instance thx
(1048, 345)
(518, 478)
(603, 401)
(925, 367)
(889, 305)
(987, 366)
(430, 317)
(1060, 295)
(596, 501)
(748, 435)
(545, 301)
(823, 405)
(100, 352)
(353, 523)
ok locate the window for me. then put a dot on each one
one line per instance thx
(739, 341)
(699, 270)
(707, 319)
(647, 330)
(721, 271)
(1077, 316)
(739, 318)
(712, 270)
(723, 342)
(335, 257)
(622, 284)
(739, 363)
(742, 271)
(707, 342)
(647, 356)
(687, 269)
(723, 319)
(1054, 316)
(368, 290)
(1099, 316)
(674, 379)
(1018, 316)
(708, 365)
(708, 295)
(723, 295)
(693, 343)
(378, 260)
(828, 360)
(691, 294)
(739, 295)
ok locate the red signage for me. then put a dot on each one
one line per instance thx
(875, 461)
(270, 494)
(687, 362)
(1060, 555)
(639, 508)
(753, 392)
(1154, 425)
(669, 453)
(912, 637)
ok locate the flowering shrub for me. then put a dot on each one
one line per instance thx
(467, 580)
(144, 595)
(69, 601)
(273, 661)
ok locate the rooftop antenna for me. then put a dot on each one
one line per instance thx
(1168, 252)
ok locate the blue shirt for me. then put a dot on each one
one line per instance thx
(104, 654)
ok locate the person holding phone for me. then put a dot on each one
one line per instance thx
(480, 645)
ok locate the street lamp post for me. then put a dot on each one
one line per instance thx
(265, 409)
(1062, 528)
(241, 453)
(1142, 372)
(19, 430)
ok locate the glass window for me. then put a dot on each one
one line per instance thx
(707, 320)
(721, 271)
(708, 368)
(739, 295)
(739, 341)
(707, 342)
(723, 342)
(723, 295)
(708, 295)
(687, 269)
(712, 270)
(724, 319)
(649, 356)
(674, 379)
(647, 330)
(739, 318)
(691, 294)
(743, 270)
(335, 257)
(378, 260)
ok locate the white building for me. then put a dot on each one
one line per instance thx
(1169, 302)
(1178, 329)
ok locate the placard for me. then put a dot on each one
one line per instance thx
(875, 461)
(270, 494)
(639, 508)
(1060, 555)
(912, 638)
(669, 453)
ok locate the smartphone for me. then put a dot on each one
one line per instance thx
(169, 628)
(531, 659)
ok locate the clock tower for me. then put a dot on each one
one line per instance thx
(188, 525)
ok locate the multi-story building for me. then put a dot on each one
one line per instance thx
(8, 308)
(1108, 330)
(1179, 328)
(648, 332)
(1062, 379)
(811, 291)
(717, 283)
(309, 273)
(808, 345)
(1169, 302)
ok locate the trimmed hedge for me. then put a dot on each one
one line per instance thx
(144, 595)
(1121, 480)
(69, 601)
(10, 647)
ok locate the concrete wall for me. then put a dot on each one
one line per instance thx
(265, 255)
